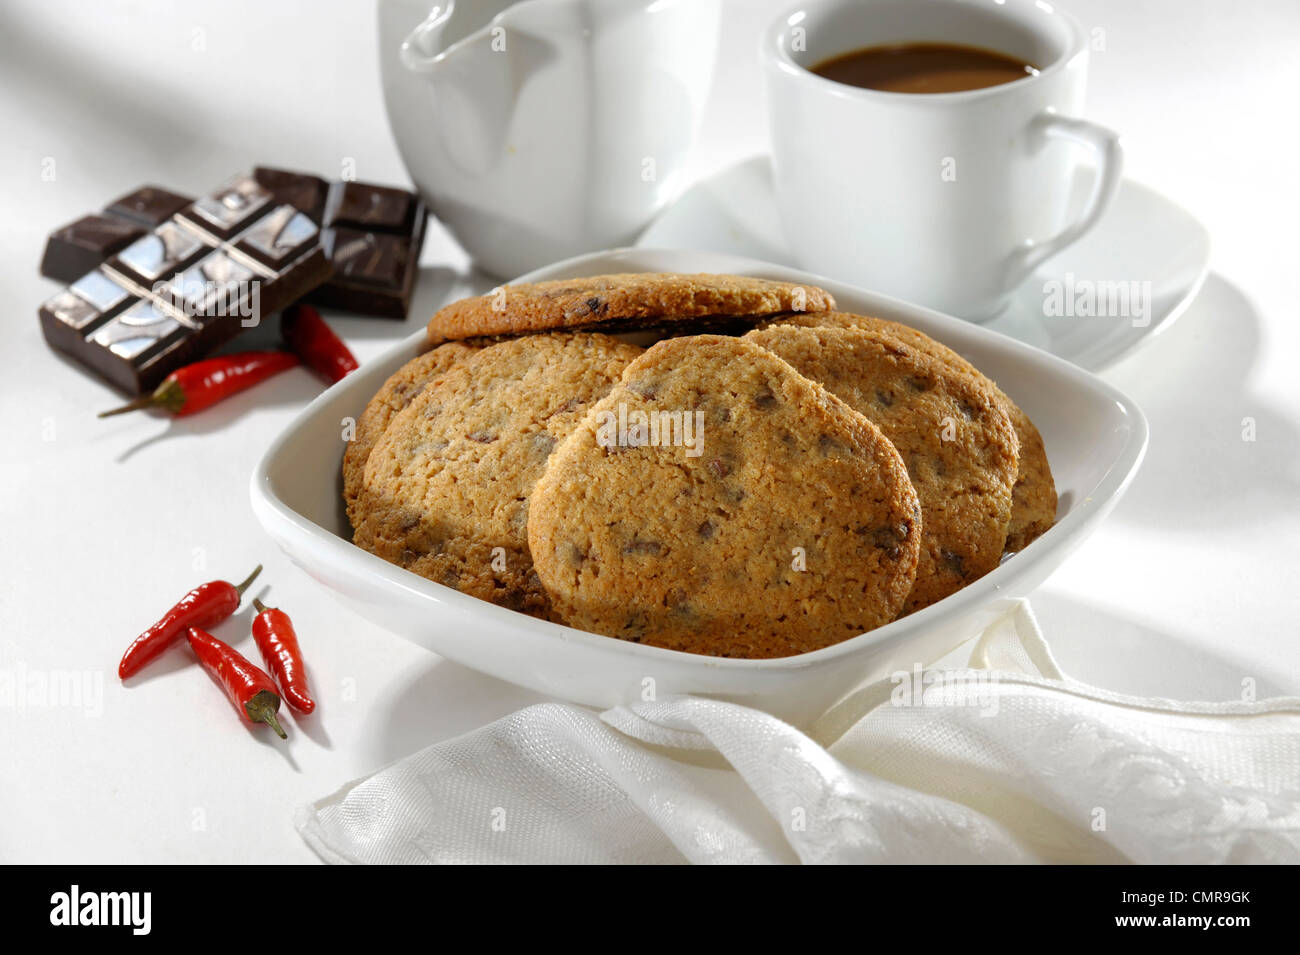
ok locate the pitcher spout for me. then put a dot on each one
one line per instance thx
(421, 50)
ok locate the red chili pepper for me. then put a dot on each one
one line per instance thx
(275, 637)
(307, 335)
(248, 687)
(204, 383)
(204, 606)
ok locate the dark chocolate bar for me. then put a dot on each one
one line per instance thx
(216, 266)
(372, 235)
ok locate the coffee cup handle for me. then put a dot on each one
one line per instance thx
(1105, 146)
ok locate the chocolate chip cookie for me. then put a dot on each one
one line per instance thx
(1033, 500)
(446, 487)
(718, 502)
(625, 302)
(958, 444)
(405, 385)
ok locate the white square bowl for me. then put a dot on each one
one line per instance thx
(1095, 439)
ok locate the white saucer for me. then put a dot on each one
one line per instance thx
(1144, 237)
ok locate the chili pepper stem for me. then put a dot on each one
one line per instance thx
(241, 587)
(145, 401)
(168, 395)
(260, 607)
(261, 710)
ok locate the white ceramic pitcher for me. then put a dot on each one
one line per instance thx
(547, 128)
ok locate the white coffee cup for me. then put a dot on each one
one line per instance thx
(949, 200)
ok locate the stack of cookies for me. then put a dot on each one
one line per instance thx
(771, 476)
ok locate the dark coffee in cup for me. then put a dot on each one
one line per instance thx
(924, 68)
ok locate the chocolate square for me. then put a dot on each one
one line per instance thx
(81, 308)
(148, 206)
(359, 205)
(70, 310)
(300, 277)
(304, 192)
(213, 287)
(279, 238)
(368, 258)
(232, 207)
(101, 291)
(139, 332)
(147, 366)
(79, 246)
(168, 249)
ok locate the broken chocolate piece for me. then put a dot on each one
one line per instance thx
(147, 207)
(78, 247)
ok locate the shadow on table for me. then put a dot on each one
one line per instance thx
(1195, 386)
(1114, 652)
(444, 700)
(295, 387)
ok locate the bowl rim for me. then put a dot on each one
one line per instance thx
(271, 509)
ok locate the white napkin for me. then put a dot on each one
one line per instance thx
(1008, 760)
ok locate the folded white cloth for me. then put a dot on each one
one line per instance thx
(1006, 760)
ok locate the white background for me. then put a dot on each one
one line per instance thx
(1187, 590)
